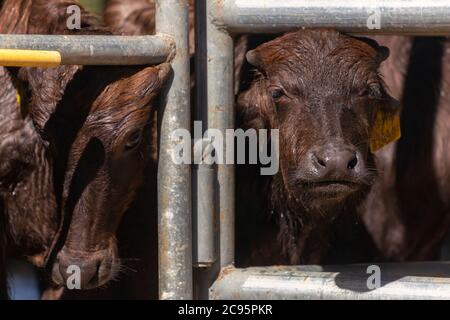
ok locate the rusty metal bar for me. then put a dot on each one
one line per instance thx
(90, 50)
(174, 180)
(405, 281)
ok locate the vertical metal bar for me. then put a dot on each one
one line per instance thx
(203, 174)
(174, 180)
(201, 88)
(203, 177)
(220, 61)
(203, 180)
(214, 106)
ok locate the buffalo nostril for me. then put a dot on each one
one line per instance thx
(331, 161)
(86, 273)
(95, 277)
(352, 163)
(320, 161)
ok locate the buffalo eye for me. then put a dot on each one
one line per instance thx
(134, 140)
(276, 93)
(372, 91)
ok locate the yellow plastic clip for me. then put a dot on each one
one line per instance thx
(29, 58)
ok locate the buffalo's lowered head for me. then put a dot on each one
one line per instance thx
(97, 122)
(322, 90)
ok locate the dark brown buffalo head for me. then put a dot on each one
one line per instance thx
(322, 90)
(98, 124)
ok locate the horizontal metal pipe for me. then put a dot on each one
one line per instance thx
(371, 16)
(95, 49)
(406, 281)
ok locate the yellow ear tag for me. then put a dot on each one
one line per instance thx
(386, 129)
(19, 101)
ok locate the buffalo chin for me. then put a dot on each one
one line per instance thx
(328, 198)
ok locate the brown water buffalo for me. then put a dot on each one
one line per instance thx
(323, 91)
(92, 140)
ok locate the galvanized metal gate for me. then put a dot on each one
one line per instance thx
(224, 17)
(213, 188)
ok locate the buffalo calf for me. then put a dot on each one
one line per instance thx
(323, 91)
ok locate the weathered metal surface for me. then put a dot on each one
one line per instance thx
(205, 175)
(96, 50)
(215, 107)
(174, 180)
(220, 68)
(427, 280)
(203, 178)
(394, 16)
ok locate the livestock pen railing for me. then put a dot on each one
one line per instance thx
(212, 196)
(217, 20)
(171, 43)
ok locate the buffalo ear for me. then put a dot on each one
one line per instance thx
(164, 72)
(382, 52)
(259, 58)
(141, 87)
(254, 58)
(150, 80)
(47, 86)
